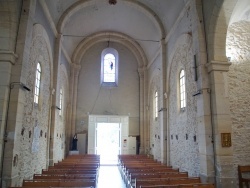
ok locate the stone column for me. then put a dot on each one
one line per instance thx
(163, 112)
(75, 76)
(17, 40)
(55, 101)
(221, 123)
(205, 139)
(7, 60)
(142, 133)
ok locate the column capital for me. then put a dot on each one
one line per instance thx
(141, 71)
(218, 66)
(8, 56)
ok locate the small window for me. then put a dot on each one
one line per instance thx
(37, 84)
(109, 67)
(156, 105)
(182, 90)
(60, 102)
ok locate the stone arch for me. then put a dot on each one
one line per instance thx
(38, 30)
(132, 45)
(217, 30)
(85, 3)
(36, 117)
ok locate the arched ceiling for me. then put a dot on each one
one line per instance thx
(241, 11)
(146, 21)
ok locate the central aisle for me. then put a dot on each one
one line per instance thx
(109, 177)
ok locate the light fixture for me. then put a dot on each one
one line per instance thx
(112, 2)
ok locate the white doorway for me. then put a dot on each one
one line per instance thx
(107, 136)
(108, 144)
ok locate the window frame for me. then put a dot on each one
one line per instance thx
(182, 90)
(156, 100)
(37, 88)
(60, 101)
(104, 53)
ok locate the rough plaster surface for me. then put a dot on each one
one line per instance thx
(35, 115)
(238, 45)
(60, 126)
(184, 151)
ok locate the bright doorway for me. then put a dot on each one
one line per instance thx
(108, 146)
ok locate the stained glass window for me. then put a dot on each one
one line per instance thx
(109, 68)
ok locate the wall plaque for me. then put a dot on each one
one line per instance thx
(226, 140)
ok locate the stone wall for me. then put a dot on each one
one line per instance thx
(33, 154)
(155, 147)
(238, 45)
(60, 126)
(184, 150)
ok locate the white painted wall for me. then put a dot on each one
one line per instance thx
(94, 99)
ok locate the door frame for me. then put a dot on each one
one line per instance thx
(92, 124)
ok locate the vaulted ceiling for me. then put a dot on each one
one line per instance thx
(146, 21)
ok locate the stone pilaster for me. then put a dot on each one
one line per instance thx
(54, 111)
(221, 123)
(74, 101)
(141, 72)
(163, 104)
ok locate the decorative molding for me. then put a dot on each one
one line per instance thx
(218, 66)
(8, 56)
(121, 38)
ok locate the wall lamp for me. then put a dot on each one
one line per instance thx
(162, 109)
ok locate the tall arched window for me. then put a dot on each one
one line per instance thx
(109, 68)
(37, 84)
(60, 102)
(182, 90)
(156, 104)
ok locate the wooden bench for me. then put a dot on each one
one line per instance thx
(244, 180)
(59, 183)
(165, 181)
(200, 185)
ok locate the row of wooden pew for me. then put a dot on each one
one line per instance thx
(140, 171)
(75, 171)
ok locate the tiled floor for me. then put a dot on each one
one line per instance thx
(109, 177)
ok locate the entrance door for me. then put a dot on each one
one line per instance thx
(109, 129)
(108, 142)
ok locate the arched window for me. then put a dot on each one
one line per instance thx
(37, 84)
(182, 90)
(60, 102)
(156, 104)
(109, 68)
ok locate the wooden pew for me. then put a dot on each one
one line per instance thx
(243, 180)
(59, 183)
(180, 186)
(64, 176)
(166, 181)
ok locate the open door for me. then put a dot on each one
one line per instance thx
(107, 135)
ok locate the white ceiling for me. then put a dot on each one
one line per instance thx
(125, 17)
